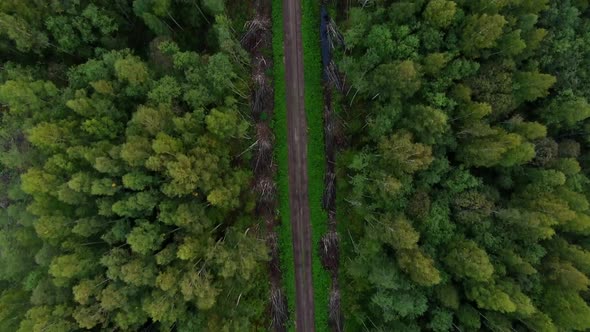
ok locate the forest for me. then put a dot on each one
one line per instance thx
(125, 169)
(463, 192)
(143, 166)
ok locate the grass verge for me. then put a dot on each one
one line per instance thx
(279, 125)
(316, 159)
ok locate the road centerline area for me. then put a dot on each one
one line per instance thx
(298, 177)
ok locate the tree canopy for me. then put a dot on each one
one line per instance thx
(126, 201)
(464, 176)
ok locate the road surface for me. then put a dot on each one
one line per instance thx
(297, 147)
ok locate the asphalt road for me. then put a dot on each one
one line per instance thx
(297, 147)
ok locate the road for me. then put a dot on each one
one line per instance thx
(297, 148)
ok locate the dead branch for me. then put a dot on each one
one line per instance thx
(254, 32)
(335, 38)
(329, 198)
(334, 77)
(264, 153)
(329, 252)
(335, 315)
(279, 310)
(266, 189)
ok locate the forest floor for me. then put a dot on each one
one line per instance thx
(298, 177)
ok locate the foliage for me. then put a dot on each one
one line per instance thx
(126, 201)
(465, 195)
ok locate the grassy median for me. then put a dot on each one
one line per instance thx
(282, 158)
(316, 159)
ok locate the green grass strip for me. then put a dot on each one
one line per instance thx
(281, 156)
(316, 159)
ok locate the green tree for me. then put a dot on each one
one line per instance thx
(481, 32)
(419, 266)
(491, 297)
(145, 238)
(440, 12)
(529, 86)
(408, 80)
(567, 309)
(466, 260)
(494, 146)
(400, 153)
(428, 124)
(566, 111)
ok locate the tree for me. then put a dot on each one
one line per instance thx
(131, 69)
(566, 111)
(136, 205)
(569, 148)
(11, 314)
(564, 274)
(512, 44)
(545, 151)
(195, 286)
(442, 320)
(481, 32)
(25, 36)
(407, 83)
(49, 136)
(536, 225)
(528, 86)
(400, 234)
(400, 153)
(472, 207)
(428, 124)
(440, 12)
(473, 112)
(491, 297)
(145, 238)
(89, 316)
(136, 150)
(566, 308)
(419, 205)
(541, 322)
(225, 124)
(25, 95)
(152, 120)
(466, 260)
(165, 91)
(138, 272)
(469, 316)
(435, 62)
(495, 147)
(379, 39)
(214, 6)
(420, 267)
(47, 318)
(70, 266)
(494, 85)
(529, 130)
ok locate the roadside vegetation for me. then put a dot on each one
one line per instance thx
(463, 181)
(282, 157)
(314, 109)
(257, 39)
